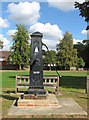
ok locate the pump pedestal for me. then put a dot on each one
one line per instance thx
(37, 101)
(36, 91)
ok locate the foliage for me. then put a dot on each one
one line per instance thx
(83, 51)
(84, 10)
(80, 63)
(80, 49)
(86, 51)
(1, 44)
(67, 55)
(20, 50)
(47, 60)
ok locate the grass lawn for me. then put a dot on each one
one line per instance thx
(72, 85)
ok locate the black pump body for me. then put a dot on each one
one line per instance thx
(36, 65)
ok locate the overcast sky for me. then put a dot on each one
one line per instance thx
(51, 18)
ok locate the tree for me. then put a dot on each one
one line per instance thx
(84, 10)
(80, 63)
(80, 49)
(20, 50)
(1, 44)
(47, 60)
(86, 51)
(83, 51)
(67, 55)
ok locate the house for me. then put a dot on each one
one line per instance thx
(4, 65)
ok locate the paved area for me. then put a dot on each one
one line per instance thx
(67, 106)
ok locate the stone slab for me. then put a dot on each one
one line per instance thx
(51, 100)
(67, 106)
(33, 96)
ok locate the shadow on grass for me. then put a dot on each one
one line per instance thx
(10, 91)
(73, 82)
(12, 76)
(84, 97)
(8, 97)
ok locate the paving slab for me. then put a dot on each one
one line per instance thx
(67, 106)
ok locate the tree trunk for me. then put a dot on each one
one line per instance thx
(65, 67)
(19, 67)
(50, 67)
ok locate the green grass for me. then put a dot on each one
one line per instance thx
(68, 79)
(8, 78)
(72, 85)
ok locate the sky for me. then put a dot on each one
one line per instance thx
(51, 18)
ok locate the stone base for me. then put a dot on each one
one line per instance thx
(51, 101)
(67, 106)
(32, 96)
(36, 91)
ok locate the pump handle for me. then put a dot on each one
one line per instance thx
(51, 59)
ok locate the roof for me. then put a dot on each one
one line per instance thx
(4, 54)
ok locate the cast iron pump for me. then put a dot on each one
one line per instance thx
(36, 65)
